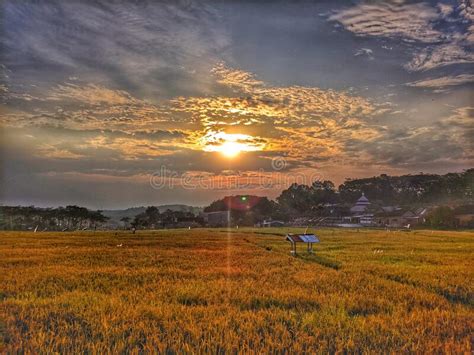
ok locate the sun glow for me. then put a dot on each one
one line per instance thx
(231, 144)
(231, 149)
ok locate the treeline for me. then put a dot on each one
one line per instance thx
(411, 189)
(322, 198)
(61, 218)
(447, 217)
(248, 210)
(383, 190)
(152, 218)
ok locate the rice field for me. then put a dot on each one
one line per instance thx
(227, 291)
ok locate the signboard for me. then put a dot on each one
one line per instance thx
(303, 238)
(309, 238)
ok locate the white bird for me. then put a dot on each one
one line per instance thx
(119, 245)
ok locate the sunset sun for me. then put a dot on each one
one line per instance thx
(230, 149)
(231, 145)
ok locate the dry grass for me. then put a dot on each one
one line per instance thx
(214, 291)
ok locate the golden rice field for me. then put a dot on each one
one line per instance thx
(222, 291)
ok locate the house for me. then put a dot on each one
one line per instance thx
(394, 219)
(420, 216)
(398, 217)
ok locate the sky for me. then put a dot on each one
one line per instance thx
(117, 104)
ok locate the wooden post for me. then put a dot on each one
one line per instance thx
(293, 248)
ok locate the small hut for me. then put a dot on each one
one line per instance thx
(307, 239)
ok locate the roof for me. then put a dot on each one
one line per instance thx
(421, 211)
(273, 222)
(389, 208)
(302, 238)
(361, 205)
(357, 208)
(409, 214)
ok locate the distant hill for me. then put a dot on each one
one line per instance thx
(116, 215)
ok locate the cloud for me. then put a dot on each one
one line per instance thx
(408, 22)
(87, 106)
(283, 116)
(159, 134)
(303, 122)
(297, 104)
(442, 82)
(149, 48)
(466, 10)
(235, 78)
(366, 52)
(461, 125)
(310, 126)
(91, 94)
(440, 56)
(445, 9)
(447, 140)
(435, 45)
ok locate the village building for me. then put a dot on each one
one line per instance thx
(360, 212)
(398, 218)
(361, 205)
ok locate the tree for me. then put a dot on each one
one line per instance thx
(126, 221)
(49, 218)
(323, 192)
(296, 200)
(247, 209)
(411, 189)
(441, 217)
(216, 206)
(148, 219)
(96, 217)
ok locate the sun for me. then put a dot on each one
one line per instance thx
(230, 149)
(230, 145)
